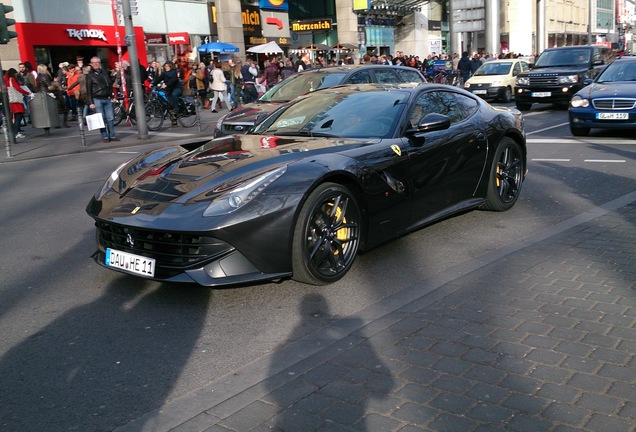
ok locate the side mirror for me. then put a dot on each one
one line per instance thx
(587, 81)
(429, 123)
(433, 122)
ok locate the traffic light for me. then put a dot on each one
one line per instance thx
(5, 34)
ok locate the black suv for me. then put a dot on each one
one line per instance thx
(241, 119)
(558, 73)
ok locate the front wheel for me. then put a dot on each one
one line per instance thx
(523, 106)
(118, 113)
(154, 116)
(579, 131)
(326, 236)
(186, 118)
(506, 176)
(507, 96)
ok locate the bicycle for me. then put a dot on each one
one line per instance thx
(158, 108)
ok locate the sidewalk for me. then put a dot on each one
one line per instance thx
(64, 141)
(537, 336)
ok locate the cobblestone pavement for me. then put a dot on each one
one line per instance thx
(541, 338)
(538, 336)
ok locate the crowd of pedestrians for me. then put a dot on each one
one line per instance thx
(79, 89)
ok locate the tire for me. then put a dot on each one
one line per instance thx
(118, 113)
(506, 176)
(154, 116)
(132, 115)
(523, 106)
(578, 131)
(187, 120)
(507, 97)
(326, 235)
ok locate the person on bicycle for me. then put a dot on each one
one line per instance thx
(168, 81)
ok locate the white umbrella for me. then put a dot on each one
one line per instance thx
(267, 48)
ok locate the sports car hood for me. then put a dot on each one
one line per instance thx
(248, 114)
(623, 89)
(175, 175)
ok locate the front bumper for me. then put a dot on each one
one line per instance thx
(560, 95)
(581, 118)
(487, 92)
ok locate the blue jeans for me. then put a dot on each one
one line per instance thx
(173, 98)
(105, 108)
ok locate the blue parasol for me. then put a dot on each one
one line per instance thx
(218, 47)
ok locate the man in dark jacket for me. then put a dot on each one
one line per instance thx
(464, 66)
(98, 96)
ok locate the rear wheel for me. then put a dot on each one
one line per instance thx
(506, 176)
(154, 116)
(326, 236)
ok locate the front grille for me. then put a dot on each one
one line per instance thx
(171, 249)
(543, 80)
(614, 104)
(233, 129)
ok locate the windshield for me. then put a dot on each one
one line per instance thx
(339, 114)
(299, 84)
(618, 71)
(556, 58)
(494, 69)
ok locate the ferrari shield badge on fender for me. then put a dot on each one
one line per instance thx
(396, 148)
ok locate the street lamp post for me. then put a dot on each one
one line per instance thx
(565, 32)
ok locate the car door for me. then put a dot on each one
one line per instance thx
(445, 165)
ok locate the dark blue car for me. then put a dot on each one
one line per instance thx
(609, 102)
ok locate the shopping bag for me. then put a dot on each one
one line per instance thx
(94, 121)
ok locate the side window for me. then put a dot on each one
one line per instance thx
(516, 69)
(362, 77)
(456, 106)
(408, 75)
(386, 75)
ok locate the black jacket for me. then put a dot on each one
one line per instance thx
(98, 85)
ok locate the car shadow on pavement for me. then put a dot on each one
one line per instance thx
(104, 363)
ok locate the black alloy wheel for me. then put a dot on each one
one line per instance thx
(506, 176)
(326, 236)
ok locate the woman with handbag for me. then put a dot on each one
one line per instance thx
(16, 95)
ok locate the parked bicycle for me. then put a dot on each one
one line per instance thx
(158, 109)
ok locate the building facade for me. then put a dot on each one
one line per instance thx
(51, 32)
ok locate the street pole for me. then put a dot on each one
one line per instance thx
(8, 117)
(140, 111)
(589, 23)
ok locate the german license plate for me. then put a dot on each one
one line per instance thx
(612, 116)
(130, 262)
(480, 91)
(541, 94)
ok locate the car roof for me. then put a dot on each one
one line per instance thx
(350, 68)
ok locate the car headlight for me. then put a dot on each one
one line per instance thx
(568, 79)
(467, 84)
(242, 193)
(110, 181)
(522, 81)
(579, 102)
(495, 84)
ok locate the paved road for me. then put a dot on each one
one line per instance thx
(534, 336)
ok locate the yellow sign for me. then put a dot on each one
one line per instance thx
(306, 26)
(361, 4)
(396, 148)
